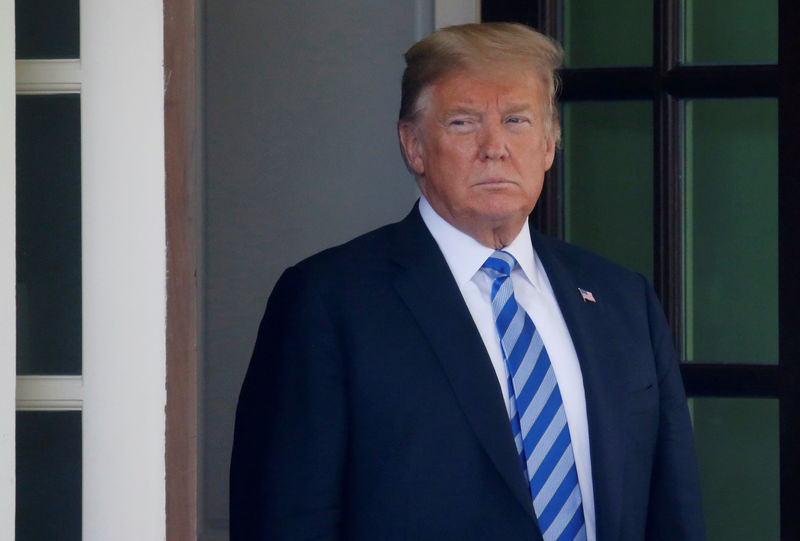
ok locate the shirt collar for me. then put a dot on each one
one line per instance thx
(465, 255)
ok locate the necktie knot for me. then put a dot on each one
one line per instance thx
(498, 267)
(499, 264)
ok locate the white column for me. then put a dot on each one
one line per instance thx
(8, 278)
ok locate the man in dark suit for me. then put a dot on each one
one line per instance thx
(455, 375)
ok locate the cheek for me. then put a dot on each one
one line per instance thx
(538, 155)
(455, 155)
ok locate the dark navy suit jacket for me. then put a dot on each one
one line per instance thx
(371, 411)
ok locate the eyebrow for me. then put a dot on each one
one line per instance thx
(461, 111)
(518, 108)
(511, 109)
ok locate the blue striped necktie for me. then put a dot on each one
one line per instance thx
(536, 411)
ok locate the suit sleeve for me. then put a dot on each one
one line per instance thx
(675, 508)
(290, 433)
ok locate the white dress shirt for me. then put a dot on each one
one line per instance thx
(532, 290)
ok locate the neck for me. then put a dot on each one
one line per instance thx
(496, 238)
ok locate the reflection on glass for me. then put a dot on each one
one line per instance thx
(738, 455)
(721, 32)
(731, 231)
(48, 234)
(47, 29)
(600, 34)
(608, 180)
(48, 475)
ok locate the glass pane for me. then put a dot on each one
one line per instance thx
(731, 231)
(47, 28)
(724, 32)
(598, 33)
(48, 475)
(48, 234)
(738, 455)
(608, 180)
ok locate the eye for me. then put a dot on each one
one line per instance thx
(461, 124)
(518, 120)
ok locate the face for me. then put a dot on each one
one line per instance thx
(479, 150)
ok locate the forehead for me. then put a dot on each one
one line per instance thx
(488, 87)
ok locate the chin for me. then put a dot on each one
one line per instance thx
(502, 208)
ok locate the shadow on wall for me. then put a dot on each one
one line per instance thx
(301, 153)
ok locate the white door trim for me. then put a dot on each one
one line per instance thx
(122, 392)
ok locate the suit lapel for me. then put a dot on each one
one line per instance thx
(427, 287)
(604, 393)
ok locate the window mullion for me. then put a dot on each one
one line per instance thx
(667, 226)
(789, 263)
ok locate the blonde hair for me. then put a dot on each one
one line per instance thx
(474, 45)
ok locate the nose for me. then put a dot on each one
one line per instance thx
(493, 145)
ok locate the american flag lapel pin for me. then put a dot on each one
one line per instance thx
(586, 295)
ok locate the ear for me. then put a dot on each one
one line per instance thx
(550, 153)
(412, 146)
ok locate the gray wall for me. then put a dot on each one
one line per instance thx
(301, 153)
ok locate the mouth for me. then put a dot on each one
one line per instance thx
(495, 182)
